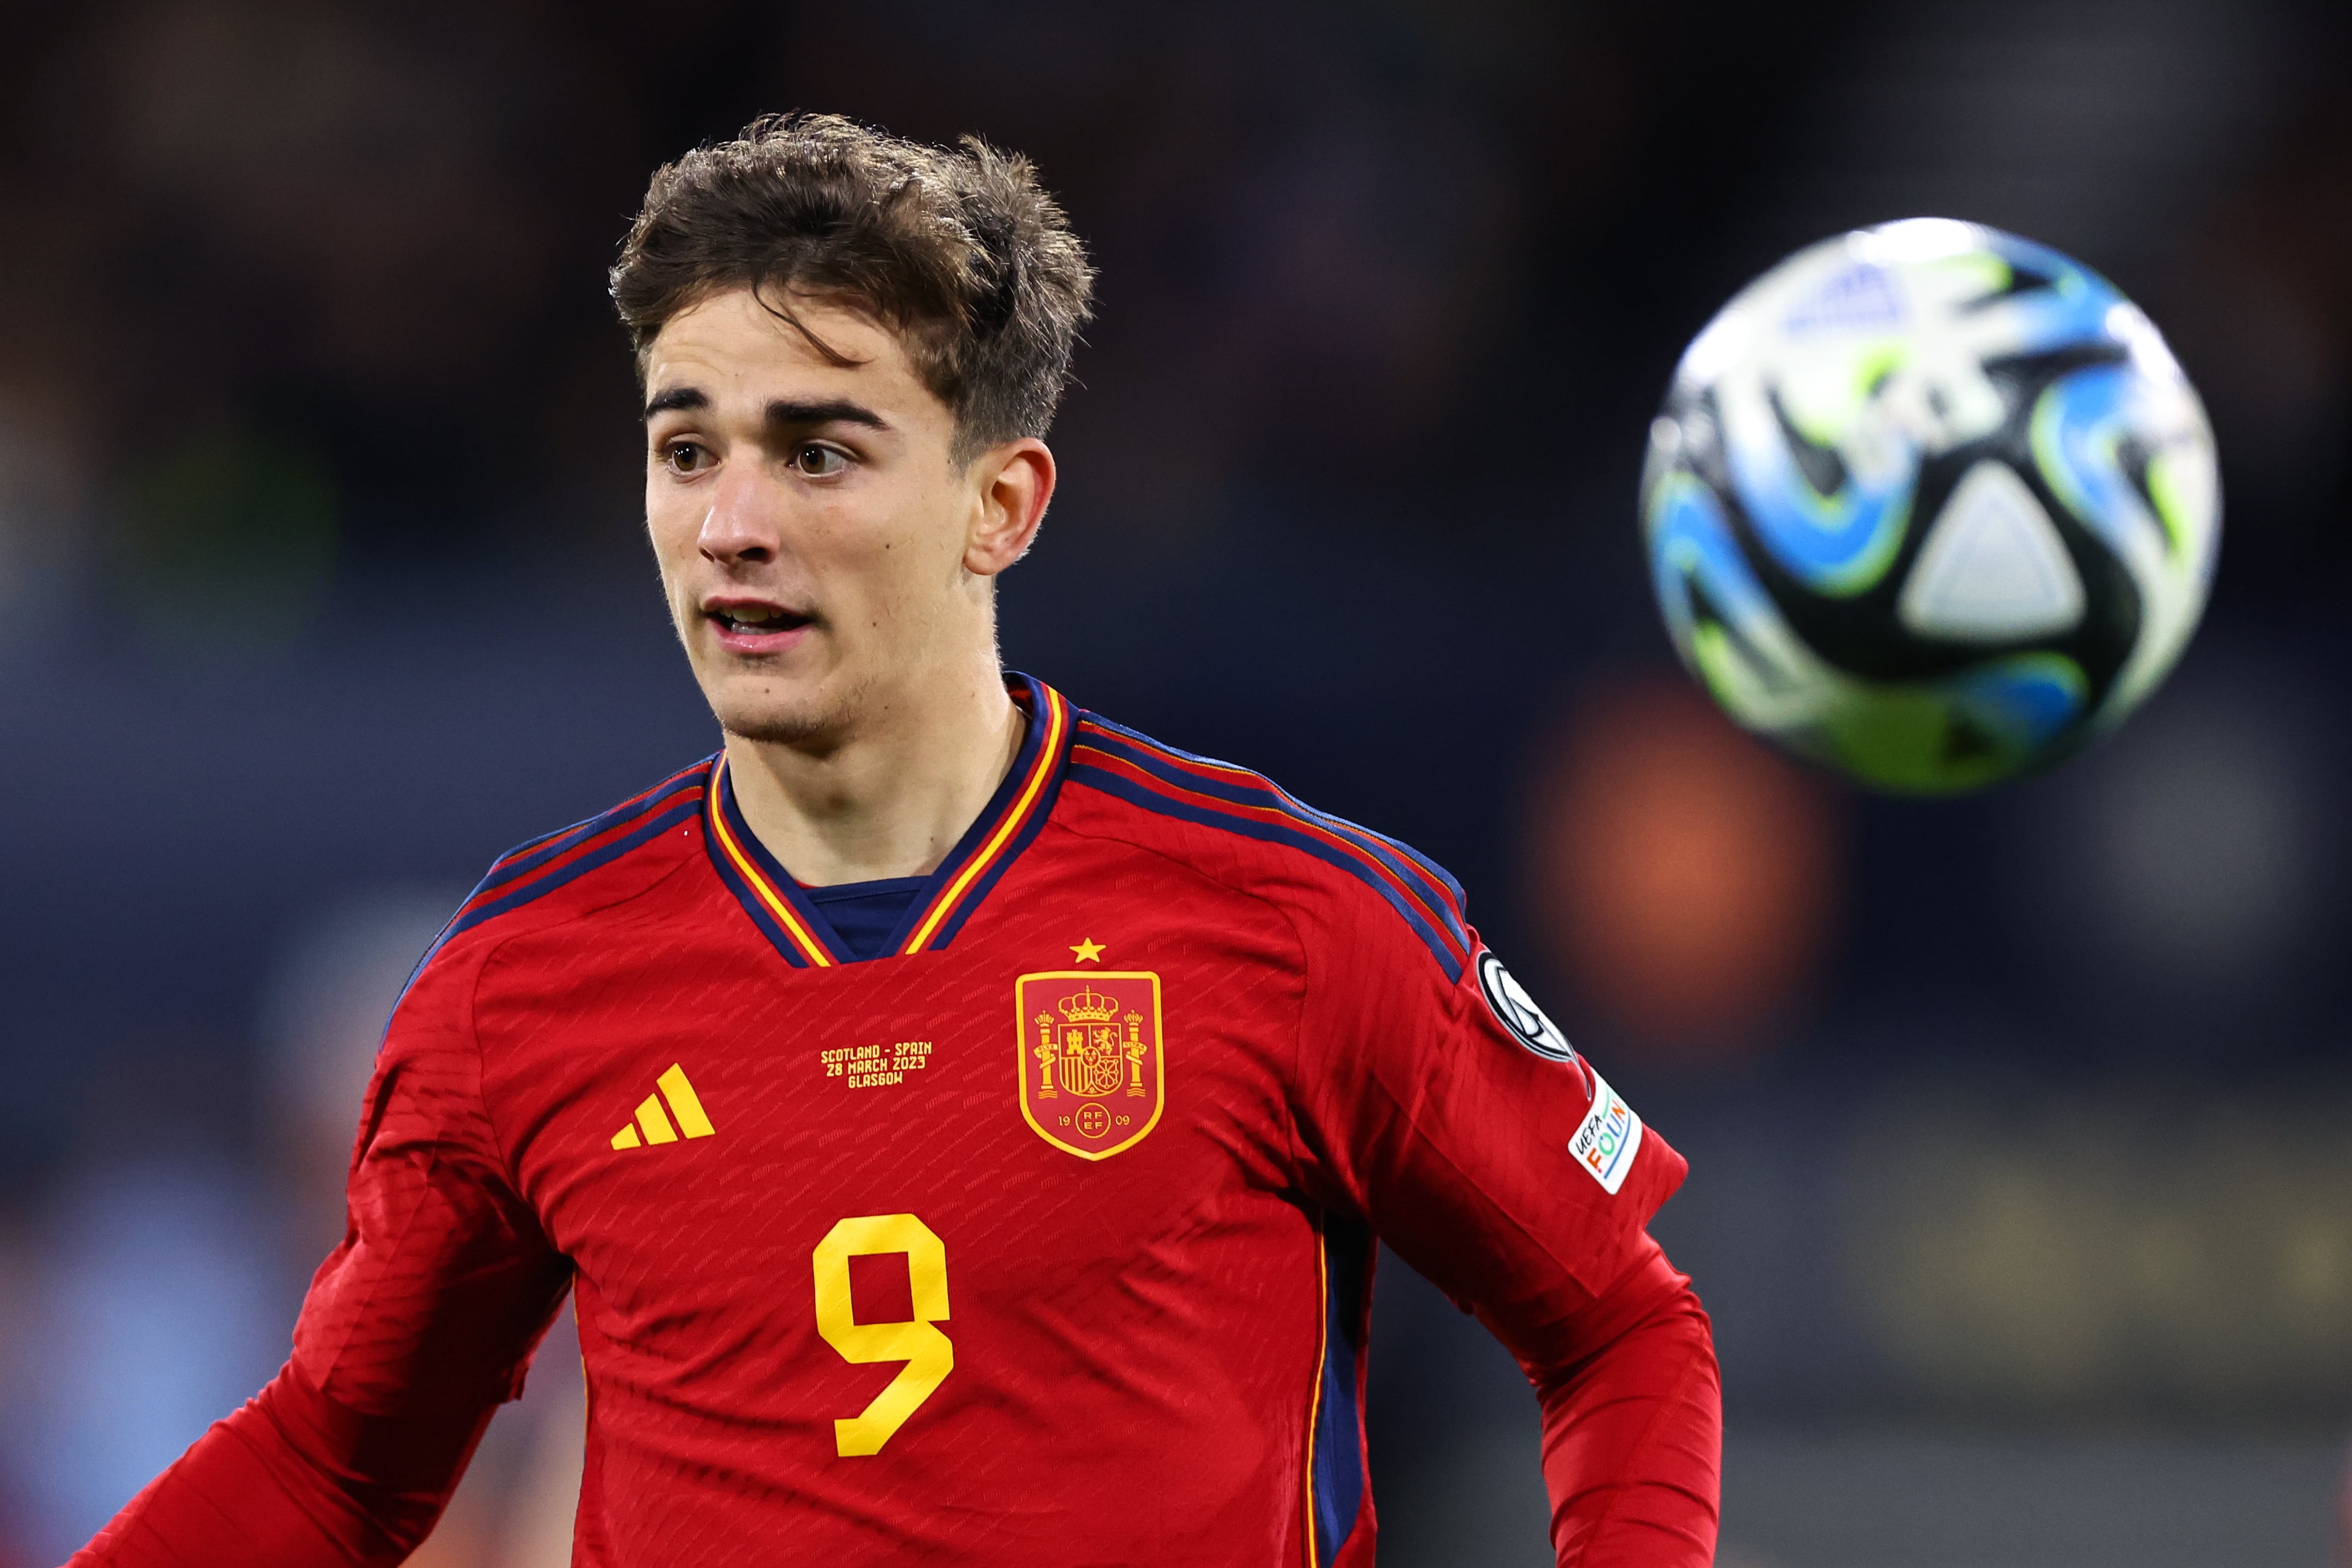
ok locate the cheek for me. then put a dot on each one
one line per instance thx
(672, 524)
(891, 553)
(929, 548)
(922, 570)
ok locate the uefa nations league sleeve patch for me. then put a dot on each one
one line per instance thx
(1516, 1011)
(1608, 1138)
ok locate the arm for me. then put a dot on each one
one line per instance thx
(1422, 1111)
(414, 1329)
(1633, 1425)
(294, 1479)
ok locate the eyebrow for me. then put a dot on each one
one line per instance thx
(677, 398)
(833, 411)
(783, 411)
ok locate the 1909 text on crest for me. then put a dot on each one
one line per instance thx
(1093, 1072)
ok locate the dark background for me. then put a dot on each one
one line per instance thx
(2022, 1188)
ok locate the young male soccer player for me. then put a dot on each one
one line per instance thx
(962, 1122)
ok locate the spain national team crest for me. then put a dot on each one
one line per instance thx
(1093, 1075)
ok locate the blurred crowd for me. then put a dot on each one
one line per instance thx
(319, 585)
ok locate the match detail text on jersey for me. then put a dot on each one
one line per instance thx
(876, 1067)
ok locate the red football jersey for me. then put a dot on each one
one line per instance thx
(1045, 1237)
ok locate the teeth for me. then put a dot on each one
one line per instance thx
(751, 618)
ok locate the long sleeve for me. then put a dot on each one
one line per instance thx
(414, 1329)
(294, 1481)
(1448, 1113)
(1632, 1421)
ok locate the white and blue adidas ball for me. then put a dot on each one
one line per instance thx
(1931, 505)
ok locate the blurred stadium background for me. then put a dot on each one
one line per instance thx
(2022, 1126)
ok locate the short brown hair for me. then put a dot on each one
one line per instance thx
(957, 249)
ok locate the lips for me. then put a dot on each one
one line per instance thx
(756, 618)
(753, 627)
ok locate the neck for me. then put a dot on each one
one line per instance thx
(893, 799)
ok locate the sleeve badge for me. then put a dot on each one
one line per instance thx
(1516, 1011)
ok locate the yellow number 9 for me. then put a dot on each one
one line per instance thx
(929, 1355)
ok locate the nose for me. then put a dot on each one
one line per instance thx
(742, 527)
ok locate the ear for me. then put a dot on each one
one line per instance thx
(1013, 484)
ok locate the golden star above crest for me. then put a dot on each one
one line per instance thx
(1089, 950)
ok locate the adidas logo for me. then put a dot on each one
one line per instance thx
(691, 1121)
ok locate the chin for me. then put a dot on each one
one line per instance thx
(795, 715)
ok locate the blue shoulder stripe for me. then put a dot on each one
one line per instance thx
(533, 852)
(540, 866)
(1433, 887)
(1153, 800)
(674, 800)
(648, 826)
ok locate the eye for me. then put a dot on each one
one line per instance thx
(684, 457)
(818, 462)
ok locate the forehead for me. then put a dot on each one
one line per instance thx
(731, 346)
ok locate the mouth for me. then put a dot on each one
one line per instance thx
(752, 626)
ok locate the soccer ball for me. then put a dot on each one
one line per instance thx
(1931, 505)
